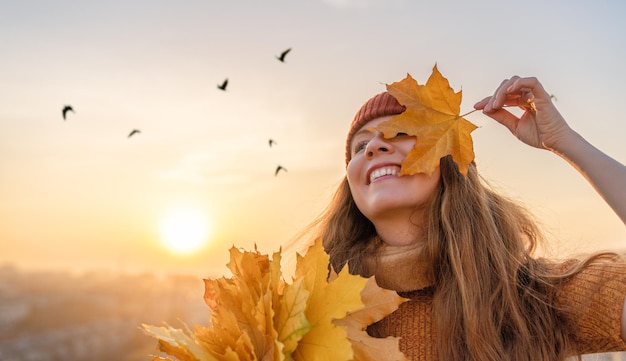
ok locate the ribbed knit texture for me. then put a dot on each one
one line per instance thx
(594, 298)
(379, 105)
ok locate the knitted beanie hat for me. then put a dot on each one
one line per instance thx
(380, 105)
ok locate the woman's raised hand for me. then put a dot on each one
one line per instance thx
(540, 126)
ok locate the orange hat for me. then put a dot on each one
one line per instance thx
(379, 105)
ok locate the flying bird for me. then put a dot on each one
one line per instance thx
(223, 85)
(133, 132)
(283, 55)
(272, 142)
(66, 109)
(278, 169)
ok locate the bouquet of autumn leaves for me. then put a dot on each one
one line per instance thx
(257, 315)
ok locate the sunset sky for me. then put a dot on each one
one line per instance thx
(79, 194)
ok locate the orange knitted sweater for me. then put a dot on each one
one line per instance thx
(596, 294)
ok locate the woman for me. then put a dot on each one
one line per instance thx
(463, 254)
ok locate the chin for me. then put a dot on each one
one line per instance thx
(384, 210)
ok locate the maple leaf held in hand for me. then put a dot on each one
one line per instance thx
(432, 115)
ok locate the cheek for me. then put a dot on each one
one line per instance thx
(352, 172)
(407, 144)
(423, 187)
(432, 183)
(354, 181)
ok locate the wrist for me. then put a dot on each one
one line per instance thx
(564, 142)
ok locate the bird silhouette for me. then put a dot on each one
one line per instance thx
(223, 85)
(272, 142)
(278, 169)
(283, 55)
(66, 109)
(133, 132)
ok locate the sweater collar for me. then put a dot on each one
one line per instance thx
(399, 268)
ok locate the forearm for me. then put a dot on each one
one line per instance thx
(605, 174)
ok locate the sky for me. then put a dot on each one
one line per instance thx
(79, 194)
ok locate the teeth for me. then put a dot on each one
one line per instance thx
(380, 172)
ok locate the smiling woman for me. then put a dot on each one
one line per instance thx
(185, 230)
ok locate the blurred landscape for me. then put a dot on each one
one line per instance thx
(50, 316)
(54, 316)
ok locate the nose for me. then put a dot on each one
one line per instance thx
(377, 145)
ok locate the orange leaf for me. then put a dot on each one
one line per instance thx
(432, 115)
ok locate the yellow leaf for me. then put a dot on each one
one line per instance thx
(432, 115)
(241, 307)
(378, 303)
(324, 342)
(177, 343)
(328, 300)
(291, 322)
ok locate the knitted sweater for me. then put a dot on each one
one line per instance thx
(596, 295)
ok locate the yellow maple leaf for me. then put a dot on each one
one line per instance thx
(291, 322)
(329, 300)
(378, 303)
(432, 115)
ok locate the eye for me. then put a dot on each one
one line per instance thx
(401, 135)
(359, 146)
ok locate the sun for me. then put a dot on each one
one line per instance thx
(185, 230)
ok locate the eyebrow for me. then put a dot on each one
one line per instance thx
(364, 130)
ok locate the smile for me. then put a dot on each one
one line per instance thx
(384, 171)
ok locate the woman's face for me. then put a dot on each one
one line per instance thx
(378, 191)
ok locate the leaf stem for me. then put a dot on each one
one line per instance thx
(470, 112)
(466, 114)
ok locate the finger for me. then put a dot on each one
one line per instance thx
(529, 84)
(507, 100)
(481, 103)
(505, 118)
(501, 96)
(526, 100)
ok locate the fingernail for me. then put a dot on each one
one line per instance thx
(510, 88)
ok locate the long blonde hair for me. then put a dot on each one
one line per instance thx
(492, 300)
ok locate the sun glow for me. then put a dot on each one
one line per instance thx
(185, 230)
